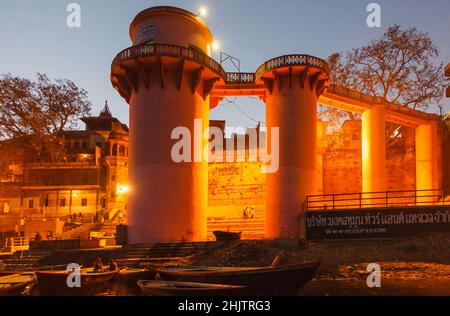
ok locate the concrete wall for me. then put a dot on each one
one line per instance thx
(235, 186)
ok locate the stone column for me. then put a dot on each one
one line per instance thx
(167, 86)
(373, 136)
(427, 153)
(292, 107)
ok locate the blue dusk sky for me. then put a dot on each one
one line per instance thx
(35, 38)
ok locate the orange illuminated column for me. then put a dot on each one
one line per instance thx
(427, 159)
(291, 106)
(321, 131)
(373, 151)
(166, 78)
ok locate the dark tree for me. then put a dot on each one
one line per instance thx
(35, 112)
(399, 67)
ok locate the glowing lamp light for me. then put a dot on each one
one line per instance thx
(203, 12)
(215, 45)
(122, 189)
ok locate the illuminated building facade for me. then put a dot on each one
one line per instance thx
(169, 80)
(91, 179)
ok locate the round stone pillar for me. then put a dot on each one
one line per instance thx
(166, 78)
(294, 84)
(373, 135)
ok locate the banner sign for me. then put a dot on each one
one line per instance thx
(375, 223)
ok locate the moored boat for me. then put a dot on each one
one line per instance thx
(57, 279)
(133, 274)
(16, 284)
(272, 280)
(226, 236)
(173, 288)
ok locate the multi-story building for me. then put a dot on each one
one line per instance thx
(91, 179)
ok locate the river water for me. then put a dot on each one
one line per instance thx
(317, 287)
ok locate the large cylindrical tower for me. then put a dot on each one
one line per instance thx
(166, 77)
(294, 83)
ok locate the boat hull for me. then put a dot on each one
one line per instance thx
(171, 288)
(52, 281)
(279, 280)
(134, 275)
(16, 285)
(227, 236)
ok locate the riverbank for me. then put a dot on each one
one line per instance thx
(416, 265)
(409, 266)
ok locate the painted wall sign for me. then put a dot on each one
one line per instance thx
(147, 32)
(366, 223)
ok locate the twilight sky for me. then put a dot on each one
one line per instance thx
(34, 37)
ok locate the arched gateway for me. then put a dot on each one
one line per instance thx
(169, 80)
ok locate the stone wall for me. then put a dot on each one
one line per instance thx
(234, 187)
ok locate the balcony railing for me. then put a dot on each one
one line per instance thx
(356, 95)
(153, 49)
(375, 200)
(17, 242)
(240, 78)
(60, 164)
(292, 60)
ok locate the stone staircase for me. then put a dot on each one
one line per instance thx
(156, 252)
(25, 259)
(107, 227)
(80, 232)
(165, 250)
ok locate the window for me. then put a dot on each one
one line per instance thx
(62, 202)
(114, 150)
(107, 152)
(30, 203)
(6, 208)
(113, 194)
(84, 202)
(46, 202)
(122, 150)
(113, 178)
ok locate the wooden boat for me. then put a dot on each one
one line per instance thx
(173, 288)
(8, 272)
(226, 236)
(51, 280)
(133, 275)
(32, 270)
(16, 284)
(272, 280)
